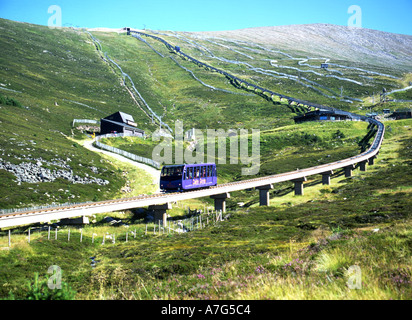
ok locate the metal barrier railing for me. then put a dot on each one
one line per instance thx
(123, 153)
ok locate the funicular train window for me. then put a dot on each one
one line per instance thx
(204, 172)
(178, 171)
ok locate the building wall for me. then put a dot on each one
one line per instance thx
(321, 117)
(107, 127)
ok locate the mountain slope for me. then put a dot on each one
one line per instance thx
(297, 248)
(63, 74)
(57, 76)
(388, 50)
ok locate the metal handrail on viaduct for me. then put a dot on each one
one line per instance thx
(160, 203)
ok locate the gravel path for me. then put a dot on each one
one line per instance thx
(150, 170)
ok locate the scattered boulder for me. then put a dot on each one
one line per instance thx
(35, 172)
(114, 222)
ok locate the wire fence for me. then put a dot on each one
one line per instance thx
(198, 221)
(85, 121)
(123, 153)
(90, 235)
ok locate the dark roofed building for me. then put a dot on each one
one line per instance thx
(401, 114)
(324, 115)
(120, 122)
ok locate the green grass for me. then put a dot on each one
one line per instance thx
(297, 248)
(284, 251)
(47, 69)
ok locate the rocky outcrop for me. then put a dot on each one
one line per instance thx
(46, 171)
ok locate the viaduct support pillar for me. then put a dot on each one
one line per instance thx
(326, 177)
(299, 186)
(264, 194)
(220, 201)
(371, 161)
(362, 166)
(160, 211)
(348, 170)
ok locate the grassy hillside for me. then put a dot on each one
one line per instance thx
(298, 248)
(173, 93)
(56, 76)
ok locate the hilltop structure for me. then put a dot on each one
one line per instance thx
(120, 122)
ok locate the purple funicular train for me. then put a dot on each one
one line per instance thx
(188, 176)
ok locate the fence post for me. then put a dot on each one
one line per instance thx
(55, 235)
(68, 236)
(126, 236)
(135, 232)
(81, 235)
(29, 235)
(144, 232)
(9, 239)
(48, 234)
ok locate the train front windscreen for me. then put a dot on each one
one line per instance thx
(171, 177)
